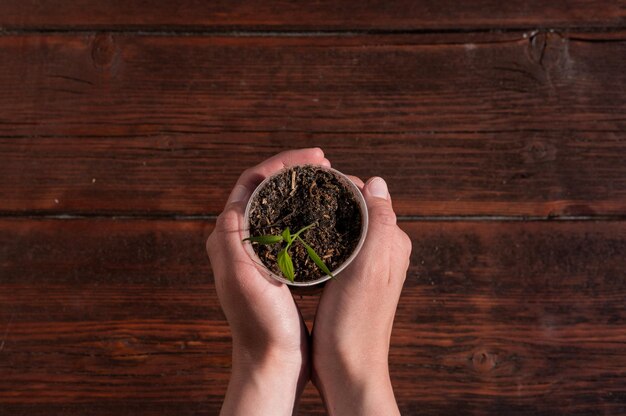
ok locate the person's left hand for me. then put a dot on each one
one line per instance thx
(270, 340)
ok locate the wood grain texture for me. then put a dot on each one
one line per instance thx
(471, 124)
(318, 15)
(547, 174)
(125, 85)
(152, 109)
(120, 317)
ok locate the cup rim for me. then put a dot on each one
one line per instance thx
(354, 190)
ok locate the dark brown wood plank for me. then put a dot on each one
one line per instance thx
(124, 85)
(318, 15)
(491, 124)
(112, 316)
(516, 173)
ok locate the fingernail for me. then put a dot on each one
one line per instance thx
(378, 188)
(239, 193)
(319, 151)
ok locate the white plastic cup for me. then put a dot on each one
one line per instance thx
(354, 190)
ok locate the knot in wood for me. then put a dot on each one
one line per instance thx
(539, 151)
(547, 50)
(484, 361)
(103, 50)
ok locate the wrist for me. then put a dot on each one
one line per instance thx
(350, 384)
(267, 359)
(364, 396)
(263, 384)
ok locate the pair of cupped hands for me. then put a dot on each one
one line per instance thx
(273, 353)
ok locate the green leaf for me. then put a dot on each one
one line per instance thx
(285, 264)
(265, 239)
(296, 235)
(313, 255)
(287, 235)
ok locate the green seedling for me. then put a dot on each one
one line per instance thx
(285, 264)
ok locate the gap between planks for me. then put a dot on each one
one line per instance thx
(401, 218)
(199, 31)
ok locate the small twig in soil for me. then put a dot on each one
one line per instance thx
(282, 220)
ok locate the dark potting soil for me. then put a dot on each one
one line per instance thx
(300, 196)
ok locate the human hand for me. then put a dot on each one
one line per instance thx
(270, 362)
(355, 316)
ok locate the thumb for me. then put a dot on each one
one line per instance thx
(226, 237)
(380, 231)
(231, 219)
(378, 200)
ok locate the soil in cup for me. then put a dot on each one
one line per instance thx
(300, 196)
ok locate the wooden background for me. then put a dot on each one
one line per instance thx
(500, 127)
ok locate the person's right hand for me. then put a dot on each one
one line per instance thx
(354, 318)
(270, 364)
